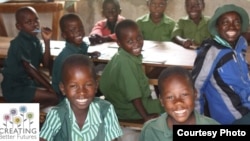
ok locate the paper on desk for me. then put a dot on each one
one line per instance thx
(153, 58)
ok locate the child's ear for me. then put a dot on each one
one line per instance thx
(161, 100)
(63, 35)
(18, 26)
(119, 11)
(118, 43)
(61, 86)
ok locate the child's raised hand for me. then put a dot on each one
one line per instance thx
(46, 33)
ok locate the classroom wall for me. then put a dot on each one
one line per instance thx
(90, 11)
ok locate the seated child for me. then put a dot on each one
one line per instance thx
(73, 32)
(177, 95)
(103, 31)
(22, 81)
(221, 73)
(156, 25)
(80, 115)
(123, 81)
(191, 30)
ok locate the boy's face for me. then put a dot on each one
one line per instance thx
(194, 9)
(28, 22)
(79, 87)
(178, 98)
(229, 27)
(157, 8)
(131, 40)
(111, 12)
(74, 32)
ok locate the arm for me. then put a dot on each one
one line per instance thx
(142, 111)
(46, 35)
(186, 43)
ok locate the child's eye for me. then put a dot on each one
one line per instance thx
(89, 84)
(73, 86)
(170, 98)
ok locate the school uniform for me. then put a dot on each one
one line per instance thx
(186, 28)
(122, 81)
(68, 50)
(17, 86)
(101, 123)
(157, 129)
(156, 32)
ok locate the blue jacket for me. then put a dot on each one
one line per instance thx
(221, 76)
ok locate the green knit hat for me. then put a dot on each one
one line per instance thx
(224, 9)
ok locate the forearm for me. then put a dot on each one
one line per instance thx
(46, 55)
(140, 108)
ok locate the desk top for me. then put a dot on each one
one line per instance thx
(154, 53)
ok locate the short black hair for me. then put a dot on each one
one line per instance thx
(123, 25)
(77, 60)
(68, 17)
(115, 2)
(173, 71)
(21, 12)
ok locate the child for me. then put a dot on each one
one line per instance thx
(156, 25)
(22, 81)
(103, 31)
(220, 71)
(123, 81)
(80, 115)
(73, 32)
(177, 96)
(190, 31)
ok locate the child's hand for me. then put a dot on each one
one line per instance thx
(95, 54)
(187, 43)
(46, 33)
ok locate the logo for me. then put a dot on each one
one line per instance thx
(19, 121)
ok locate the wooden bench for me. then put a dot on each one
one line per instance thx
(133, 124)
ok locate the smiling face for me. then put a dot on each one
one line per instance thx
(194, 9)
(73, 31)
(131, 40)
(79, 86)
(111, 11)
(28, 21)
(157, 8)
(229, 27)
(177, 97)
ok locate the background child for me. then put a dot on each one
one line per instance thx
(23, 82)
(103, 31)
(80, 115)
(73, 32)
(220, 71)
(123, 81)
(191, 30)
(177, 96)
(156, 25)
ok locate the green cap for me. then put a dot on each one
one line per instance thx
(224, 9)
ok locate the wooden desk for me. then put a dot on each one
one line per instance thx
(56, 8)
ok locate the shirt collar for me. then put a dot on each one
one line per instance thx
(81, 49)
(136, 59)
(28, 36)
(164, 19)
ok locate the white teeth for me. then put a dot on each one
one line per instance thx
(37, 30)
(81, 100)
(180, 111)
(231, 33)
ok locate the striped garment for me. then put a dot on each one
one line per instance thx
(91, 128)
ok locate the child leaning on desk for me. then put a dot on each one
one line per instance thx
(177, 95)
(81, 115)
(103, 30)
(155, 25)
(22, 81)
(191, 30)
(123, 81)
(73, 32)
